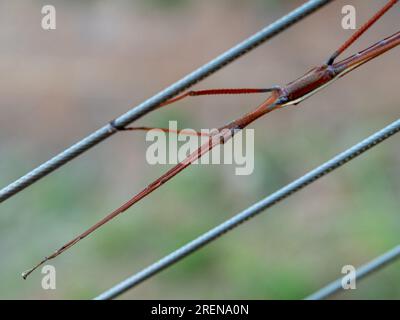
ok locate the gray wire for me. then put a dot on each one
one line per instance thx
(362, 272)
(252, 211)
(150, 104)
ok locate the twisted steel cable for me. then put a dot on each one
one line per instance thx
(252, 211)
(152, 103)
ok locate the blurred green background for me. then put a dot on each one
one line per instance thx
(107, 56)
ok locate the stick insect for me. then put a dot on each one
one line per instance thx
(280, 96)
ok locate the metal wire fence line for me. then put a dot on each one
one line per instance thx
(152, 103)
(252, 211)
(362, 272)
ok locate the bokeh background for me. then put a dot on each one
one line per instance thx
(107, 56)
